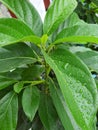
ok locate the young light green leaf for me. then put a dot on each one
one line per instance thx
(30, 101)
(47, 113)
(57, 13)
(11, 58)
(63, 111)
(18, 87)
(44, 40)
(8, 112)
(80, 33)
(13, 30)
(5, 82)
(77, 86)
(27, 13)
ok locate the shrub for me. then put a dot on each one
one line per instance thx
(45, 77)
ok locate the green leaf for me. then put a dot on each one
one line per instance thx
(47, 113)
(8, 112)
(13, 30)
(14, 74)
(5, 82)
(34, 72)
(95, 1)
(72, 20)
(18, 87)
(30, 101)
(15, 55)
(62, 109)
(57, 13)
(27, 13)
(79, 33)
(44, 40)
(89, 57)
(77, 86)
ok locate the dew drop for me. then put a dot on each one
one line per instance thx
(66, 65)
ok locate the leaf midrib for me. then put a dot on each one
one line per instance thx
(56, 19)
(12, 58)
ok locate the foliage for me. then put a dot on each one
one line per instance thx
(45, 76)
(88, 10)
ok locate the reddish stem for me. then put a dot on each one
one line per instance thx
(12, 14)
(46, 3)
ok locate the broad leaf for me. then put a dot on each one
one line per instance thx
(62, 109)
(77, 86)
(5, 82)
(14, 74)
(79, 33)
(88, 56)
(25, 12)
(30, 101)
(18, 87)
(11, 58)
(8, 112)
(72, 20)
(13, 30)
(47, 113)
(34, 72)
(57, 13)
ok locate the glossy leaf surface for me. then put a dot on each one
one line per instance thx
(79, 33)
(62, 109)
(11, 58)
(25, 12)
(57, 13)
(12, 31)
(80, 93)
(30, 101)
(71, 21)
(8, 112)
